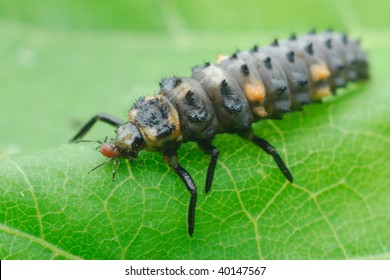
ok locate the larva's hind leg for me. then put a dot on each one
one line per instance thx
(209, 149)
(269, 149)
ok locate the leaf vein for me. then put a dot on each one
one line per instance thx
(39, 241)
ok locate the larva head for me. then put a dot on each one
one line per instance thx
(128, 143)
(109, 150)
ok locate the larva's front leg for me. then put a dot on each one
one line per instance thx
(98, 117)
(170, 158)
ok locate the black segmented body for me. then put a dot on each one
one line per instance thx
(227, 97)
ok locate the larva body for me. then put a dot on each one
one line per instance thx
(227, 97)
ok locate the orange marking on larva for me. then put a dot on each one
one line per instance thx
(255, 92)
(174, 118)
(260, 111)
(221, 57)
(321, 93)
(319, 72)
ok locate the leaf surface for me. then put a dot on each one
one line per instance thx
(51, 208)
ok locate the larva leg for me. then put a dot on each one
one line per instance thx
(171, 159)
(101, 117)
(269, 149)
(209, 149)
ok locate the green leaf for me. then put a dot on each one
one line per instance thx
(51, 208)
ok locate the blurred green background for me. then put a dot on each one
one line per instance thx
(63, 61)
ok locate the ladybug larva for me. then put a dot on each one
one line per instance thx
(228, 96)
